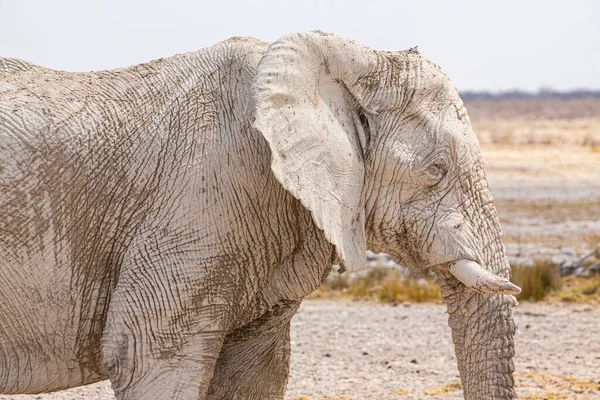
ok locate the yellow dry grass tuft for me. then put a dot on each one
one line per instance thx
(445, 389)
(406, 290)
(324, 398)
(338, 398)
(544, 396)
(556, 386)
(536, 281)
(578, 290)
(541, 281)
(381, 284)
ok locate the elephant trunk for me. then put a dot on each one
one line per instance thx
(481, 323)
(482, 332)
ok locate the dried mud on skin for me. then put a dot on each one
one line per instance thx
(355, 350)
(545, 181)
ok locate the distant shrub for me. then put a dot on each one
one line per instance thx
(536, 281)
(397, 289)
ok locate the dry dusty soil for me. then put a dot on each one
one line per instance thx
(357, 350)
(545, 179)
(547, 197)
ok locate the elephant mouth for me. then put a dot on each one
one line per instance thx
(478, 279)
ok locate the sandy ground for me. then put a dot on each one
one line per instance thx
(373, 351)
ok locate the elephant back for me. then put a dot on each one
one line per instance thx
(9, 65)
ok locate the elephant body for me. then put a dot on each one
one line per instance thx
(148, 236)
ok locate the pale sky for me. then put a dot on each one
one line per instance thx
(482, 45)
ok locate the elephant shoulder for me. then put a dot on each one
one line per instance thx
(243, 49)
(234, 56)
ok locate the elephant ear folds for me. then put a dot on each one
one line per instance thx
(306, 117)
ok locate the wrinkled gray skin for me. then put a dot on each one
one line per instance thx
(160, 224)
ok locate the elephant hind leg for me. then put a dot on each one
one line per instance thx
(254, 360)
(182, 374)
(162, 336)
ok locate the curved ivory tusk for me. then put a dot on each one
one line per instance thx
(475, 277)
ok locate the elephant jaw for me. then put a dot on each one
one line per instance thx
(475, 277)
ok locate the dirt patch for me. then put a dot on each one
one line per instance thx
(368, 351)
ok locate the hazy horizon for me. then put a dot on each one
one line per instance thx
(482, 46)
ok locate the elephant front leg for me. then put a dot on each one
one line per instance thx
(163, 334)
(254, 361)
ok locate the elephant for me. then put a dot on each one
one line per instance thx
(160, 224)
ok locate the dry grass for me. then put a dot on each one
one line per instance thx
(445, 389)
(547, 132)
(578, 290)
(536, 386)
(536, 281)
(555, 386)
(380, 284)
(338, 398)
(324, 398)
(401, 290)
(539, 282)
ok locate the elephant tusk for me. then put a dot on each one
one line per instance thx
(474, 276)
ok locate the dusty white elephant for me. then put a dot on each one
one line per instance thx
(160, 224)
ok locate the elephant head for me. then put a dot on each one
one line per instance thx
(379, 147)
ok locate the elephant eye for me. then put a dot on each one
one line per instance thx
(435, 173)
(364, 122)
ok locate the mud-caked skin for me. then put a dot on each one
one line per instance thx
(160, 224)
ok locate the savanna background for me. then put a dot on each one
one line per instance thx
(529, 74)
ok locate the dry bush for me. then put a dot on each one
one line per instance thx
(397, 289)
(536, 281)
(579, 290)
(541, 281)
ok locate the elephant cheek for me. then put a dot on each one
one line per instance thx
(451, 242)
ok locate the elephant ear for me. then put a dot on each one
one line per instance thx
(307, 116)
